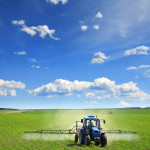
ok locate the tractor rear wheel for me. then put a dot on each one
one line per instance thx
(87, 140)
(76, 138)
(103, 140)
(81, 137)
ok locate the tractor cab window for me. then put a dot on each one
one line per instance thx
(84, 123)
(93, 123)
(98, 124)
(90, 123)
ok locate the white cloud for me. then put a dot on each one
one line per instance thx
(139, 67)
(57, 1)
(20, 53)
(123, 103)
(90, 95)
(84, 28)
(104, 86)
(131, 68)
(34, 66)
(144, 66)
(141, 50)
(99, 15)
(21, 22)
(98, 97)
(99, 58)
(43, 30)
(28, 30)
(96, 27)
(8, 88)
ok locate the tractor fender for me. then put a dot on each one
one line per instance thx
(102, 134)
(83, 131)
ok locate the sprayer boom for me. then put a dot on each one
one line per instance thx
(119, 131)
(70, 131)
(52, 131)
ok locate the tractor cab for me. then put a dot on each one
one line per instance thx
(90, 122)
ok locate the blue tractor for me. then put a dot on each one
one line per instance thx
(91, 131)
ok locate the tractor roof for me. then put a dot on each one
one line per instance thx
(91, 117)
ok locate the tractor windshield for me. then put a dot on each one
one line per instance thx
(93, 123)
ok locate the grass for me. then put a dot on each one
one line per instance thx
(12, 127)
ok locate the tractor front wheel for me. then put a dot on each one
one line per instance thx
(103, 140)
(87, 140)
(76, 138)
(81, 137)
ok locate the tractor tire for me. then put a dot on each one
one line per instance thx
(87, 140)
(103, 140)
(97, 143)
(76, 138)
(81, 137)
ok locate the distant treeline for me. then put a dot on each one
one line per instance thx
(80, 109)
(7, 109)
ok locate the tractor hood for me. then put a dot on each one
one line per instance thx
(94, 129)
(95, 132)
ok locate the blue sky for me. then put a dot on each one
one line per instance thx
(74, 54)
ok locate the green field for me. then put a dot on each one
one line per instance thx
(13, 125)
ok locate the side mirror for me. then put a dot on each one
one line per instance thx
(104, 121)
(81, 120)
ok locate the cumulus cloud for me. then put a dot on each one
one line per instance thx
(28, 30)
(99, 58)
(98, 97)
(8, 88)
(96, 27)
(99, 15)
(84, 28)
(141, 50)
(20, 53)
(42, 30)
(139, 67)
(131, 68)
(123, 103)
(57, 1)
(144, 66)
(146, 74)
(90, 95)
(104, 86)
(21, 22)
